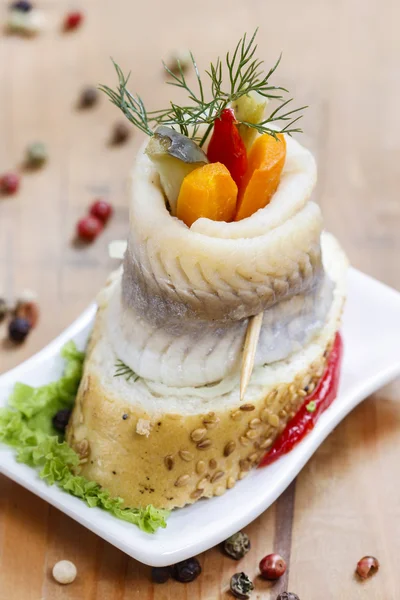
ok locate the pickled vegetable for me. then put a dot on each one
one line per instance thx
(175, 156)
(249, 108)
(266, 160)
(210, 192)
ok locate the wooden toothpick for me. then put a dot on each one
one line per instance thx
(249, 352)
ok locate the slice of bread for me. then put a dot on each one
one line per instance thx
(151, 444)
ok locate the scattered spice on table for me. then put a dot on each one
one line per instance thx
(101, 209)
(36, 154)
(89, 97)
(73, 20)
(367, 566)
(64, 572)
(179, 59)
(186, 570)
(241, 586)
(21, 5)
(272, 566)
(19, 329)
(88, 228)
(26, 22)
(160, 574)
(237, 545)
(121, 133)
(28, 311)
(9, 183)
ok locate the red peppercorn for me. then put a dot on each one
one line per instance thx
(101, 210)
(9, 183)
(272, 566)
(367, 566)
(73, 20)
(89, 228)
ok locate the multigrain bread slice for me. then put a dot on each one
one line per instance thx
(169, 447)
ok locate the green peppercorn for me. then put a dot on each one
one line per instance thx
(237, 545)
(241, 586)
(36, 154)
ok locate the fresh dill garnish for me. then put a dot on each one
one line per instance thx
(245, 75)
(122, 370)
(132, 106)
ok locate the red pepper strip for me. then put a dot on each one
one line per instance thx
(306, 417)
(227, 147)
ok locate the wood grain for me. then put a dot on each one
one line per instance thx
(340, 58)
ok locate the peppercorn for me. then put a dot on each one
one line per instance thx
(179, 58)
(21, 5)
(9, 183)
(3, 309)
(61, 419)
(237, 545)
(121, 133)
(64, 572)
(73, 20)
(28, 311)
(367, 566)
(241, 586)
(272, 566)
(26, 23)
(89, 228)
(288, 596)
(89, 97)
(36, 154)
(18, 329)
(186, 570)
(101, 210)
(160, 574)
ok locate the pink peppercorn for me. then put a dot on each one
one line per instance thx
(73, 20)
(9, 183)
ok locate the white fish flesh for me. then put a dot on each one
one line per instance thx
(180, 314)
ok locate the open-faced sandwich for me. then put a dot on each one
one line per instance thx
(216, 345)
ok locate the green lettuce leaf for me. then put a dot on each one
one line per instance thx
(27, 425)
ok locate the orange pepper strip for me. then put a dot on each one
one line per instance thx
(265, 163)
(208, 191)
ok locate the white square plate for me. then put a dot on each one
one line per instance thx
(371, 331)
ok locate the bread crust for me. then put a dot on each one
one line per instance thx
(169, 459)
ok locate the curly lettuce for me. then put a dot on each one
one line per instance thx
(26, 424)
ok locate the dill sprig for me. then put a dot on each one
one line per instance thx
(122, 370)
(132, 106)
(244, 74)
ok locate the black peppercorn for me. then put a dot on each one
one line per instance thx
(60, 419)
(288, 596)
(237, 545)
(160, 574)
(186, 570)
(121, 133)
(89, 97)
(125, 416)
(22, 6)
(18, 329)
(241, 586)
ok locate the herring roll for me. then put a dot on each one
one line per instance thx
(181, 313)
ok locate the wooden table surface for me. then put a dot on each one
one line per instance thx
(340, 58)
